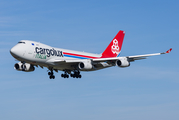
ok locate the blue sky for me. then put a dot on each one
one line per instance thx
(148, 89)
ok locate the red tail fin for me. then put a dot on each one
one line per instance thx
(114, 48)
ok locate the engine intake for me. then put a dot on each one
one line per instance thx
(123, 62)
(86, 65)
(24, 67)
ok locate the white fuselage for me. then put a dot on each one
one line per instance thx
(31, 53)
(40, 54)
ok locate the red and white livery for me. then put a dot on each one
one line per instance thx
(31, 53)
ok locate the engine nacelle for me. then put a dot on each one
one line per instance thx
(123, 62)
(24, 67)
(86, 65)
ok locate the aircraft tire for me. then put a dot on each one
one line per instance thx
(66, 76)
(62, 75)
(49, 73)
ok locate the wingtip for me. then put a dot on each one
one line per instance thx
(169, 50)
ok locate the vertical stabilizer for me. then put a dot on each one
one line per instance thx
(114, 48)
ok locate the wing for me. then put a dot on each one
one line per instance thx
(131, 58)
(139, 57)
(101, 63)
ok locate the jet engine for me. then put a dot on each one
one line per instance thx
(123, 62)
(24, 67)
(86, 65)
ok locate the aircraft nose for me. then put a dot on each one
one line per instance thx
(13, 50)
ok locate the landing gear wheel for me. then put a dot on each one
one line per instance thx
(51, 76)
(49, 73)
(64, 75)
(76, 74)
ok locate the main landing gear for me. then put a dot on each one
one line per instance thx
(76, 74)
(51, 74)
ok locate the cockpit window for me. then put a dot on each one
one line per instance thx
(22, 42)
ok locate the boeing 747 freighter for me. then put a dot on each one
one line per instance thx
(31, 54)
